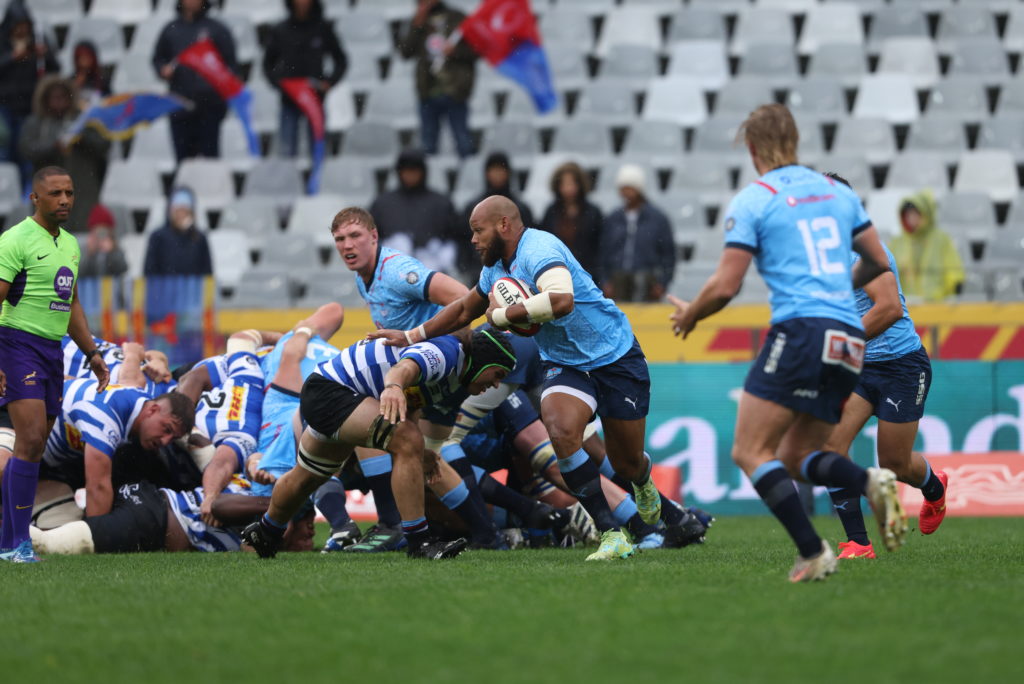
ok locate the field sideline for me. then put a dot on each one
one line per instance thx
(943, 609)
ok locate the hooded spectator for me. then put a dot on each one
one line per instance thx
(573, 219)
(88, 77)
(179, 247)
(102, 256)
(929, 264)
(297, 48)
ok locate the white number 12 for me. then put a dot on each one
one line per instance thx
(817, 249)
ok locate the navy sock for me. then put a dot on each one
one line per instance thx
(330, 499)
(415, 531)
(272, 527)
(481, 527)
(465, 470)
(627, 516)
(832, 470)
(847, 505)
(777, 491)
(377, 470)
(584, 481)
(498, 494)
(932, 488)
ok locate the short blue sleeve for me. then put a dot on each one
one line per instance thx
(741, 224)
(486, 282)
(543, 252)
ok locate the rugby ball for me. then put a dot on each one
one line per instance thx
(509, 291)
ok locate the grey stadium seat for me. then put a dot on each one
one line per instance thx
(684, 209)
(1011, 98)
(395, 103)
(703, 60)
(259, 11)
(377, 141)
(586, 139)
(887, 96)
(853, 167)
(105, 34)
(742, 95)
(817, 98)
(758, 24)
(274, 179)
(899, 20)
(258, 289)
(133, 183)
(872, 138)
(717, 136)
(259, 217)
(965, 21)
(519, 140)
(210, 179)
(914, 56)
(677, 99)
(632, 25)
(921, 169)
(607, 103)
(629, 66)
(351, 178)
(366, 32)
(243, 30)
(311, 215)
(838, 23)
(229, 252)
(1006, 248)
(10, 187)
(707, 175)
(844, 62)
(990, 171)
(1004, 132)
(697, 23)
(567, 26)
(662, 142)
(980, 58)
(774, 63)
(938, 134)
(568, 64)
(963, 98)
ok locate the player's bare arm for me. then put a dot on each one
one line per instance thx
(131, 369)
(195, 382)
(216, 477)
(873, 260)
(719, 290)
(458, 314)
(444, 289)
(392, 400)
(78, 328)
(99, 491)
(887, 308)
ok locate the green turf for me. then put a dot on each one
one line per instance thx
(944, 608)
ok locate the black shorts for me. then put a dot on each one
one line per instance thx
(897, 388)
(5, 418)
(138, 521)
(325, 405)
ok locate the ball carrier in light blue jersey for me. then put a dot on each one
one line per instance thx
(593, 363)
(799, 227)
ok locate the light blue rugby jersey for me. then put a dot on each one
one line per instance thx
(185, 507)
(397, 295)
(318, 350)
(362, 367)
(901, 337)
(800, 226)
(87, 417)
(231, 412)
(595, 334)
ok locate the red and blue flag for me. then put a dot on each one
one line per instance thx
(305, 97)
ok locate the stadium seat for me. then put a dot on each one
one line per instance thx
(938, 134)
(57, 12)
(980, 58)
(586, 139)
(210, 179)
(975, 287)
(121, 11)
(675, 99)
(887, 96)
(684, 210)
(258, 11)
(921, 169)
(697, 23)
(519, 140)
(336, 9)
(152, 146)
(709, 176)
(761, 25)
(519, 107)
(817, 98)
(351, 178)
(389, 9)
(567, 26)
(229, 252)
(1008, 286)
(610, 104)
(742, 95)
(853, 167)
(717, 136)
(144, 37)
(266, 104)
(234, 145)
(10, 187)
(243, 30)
(845, 63)
(883, 206)
(754, 290)
(363, 71)
(297, 257)
(689, 279)
(395, 103)
(1005, 132)
(339, 108)
(772, 63)
(722, 6)
(792, 6)
(366, 32)
(871, 138)
(707, 247)
(568, 64)
(592, 7)
(965, 21)
(133, 73)
(258, 216)
(1013, 34)
(900, 20)
(912, 56)
(629, 66)
(259, 289)
(830, 24)
(1005, 248)
(311, 215)
(965, 212)
(134, 183)
(469, 181)
(134, 248)
(105, 33)
(1011, 98)
(275, 179)
(962, 98)
(332, 285)
(629, 25)
(660, 142)
(703, 60)
(990, 171)
(373, 140)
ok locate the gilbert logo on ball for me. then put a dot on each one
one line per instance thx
(511, 291)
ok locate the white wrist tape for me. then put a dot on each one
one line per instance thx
(305, 329)
(432, 444)
(538, 308)
(499, 317)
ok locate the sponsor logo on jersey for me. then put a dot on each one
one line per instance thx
(433, 359)
(63, 283)
(74, 437)
(237, 403)
(730, 223)
(412, 277)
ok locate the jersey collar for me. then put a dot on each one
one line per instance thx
(376, 268)
(508, 265)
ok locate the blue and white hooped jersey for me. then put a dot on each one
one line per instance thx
(87, 417)
(595, 334)
(185, 506)
(800, 226)
(397, 295)
(231, 412)
(900, 338)
(362, 368)
(317, 351)
(76, 365)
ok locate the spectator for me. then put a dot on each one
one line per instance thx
(43, 143)
(497, 181)
(179, 247)
(25, 55)
(637, 248)
(195, 132)
(573, 219)
(297, 47)
(445, 70)
(102, 256)
(88, 77)
(416, 220)
(929, 264)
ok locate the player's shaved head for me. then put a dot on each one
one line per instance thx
(492, 209)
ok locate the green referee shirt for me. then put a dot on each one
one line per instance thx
(42, 270)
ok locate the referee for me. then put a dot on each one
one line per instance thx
(38, 290)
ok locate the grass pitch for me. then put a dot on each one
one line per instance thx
(946, 608)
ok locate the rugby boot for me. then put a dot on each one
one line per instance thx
(438, 549)
(814, 569)
(690, 531)
(22, 553)
(378, 539)
(648, 502)
(614, 546)
(933, 512)
(851, 549)
(884, 498)
(256, 536)
(347, 536)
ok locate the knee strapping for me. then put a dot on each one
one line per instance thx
(542, 458)
(381, 431)
(317, 466)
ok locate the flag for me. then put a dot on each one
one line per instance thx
(504, 32)
(118, 117)
(301, 92)
(203, 58)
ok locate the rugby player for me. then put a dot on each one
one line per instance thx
(360, 399)
(39, 293)
(594, 364)
(129, 364)
(800, 227)
(893, 386)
